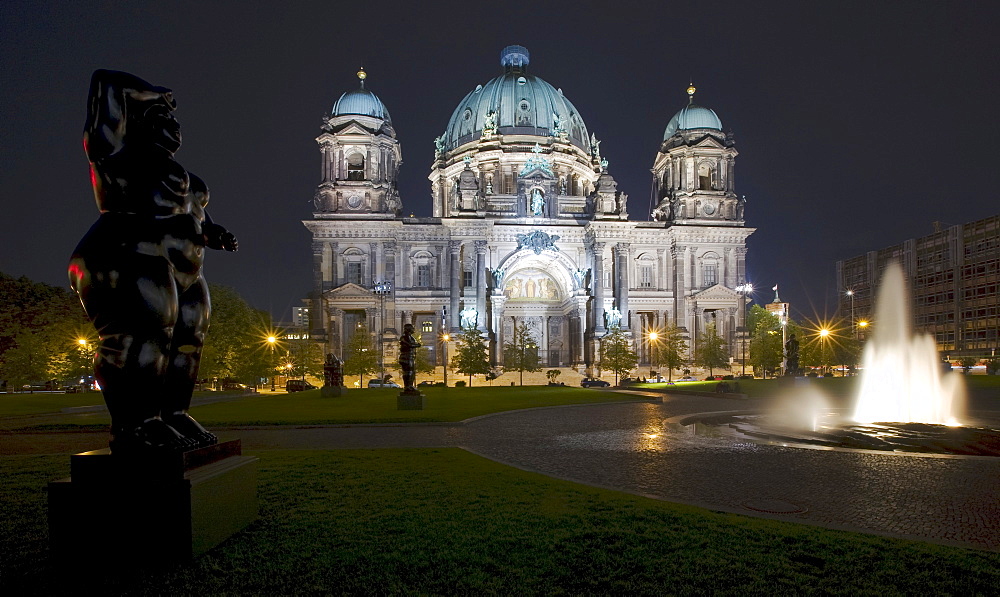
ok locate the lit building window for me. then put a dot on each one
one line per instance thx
(426, 326)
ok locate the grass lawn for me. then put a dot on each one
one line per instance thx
(448, 522)
(309, 408)
(379, 405)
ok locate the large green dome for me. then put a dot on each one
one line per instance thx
(521, 104)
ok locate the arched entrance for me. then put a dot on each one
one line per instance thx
(539, 291)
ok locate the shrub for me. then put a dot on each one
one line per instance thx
(460, 384)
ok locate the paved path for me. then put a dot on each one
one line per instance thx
(624, 446)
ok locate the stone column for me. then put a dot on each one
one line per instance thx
(406, 275)
(622, 252)
(389, 257)
(336, 338)
(597, 280)
(496, 349)
(481, 286)
(455, 269)
(375, 267)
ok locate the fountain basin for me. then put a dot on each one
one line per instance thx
(832, 430)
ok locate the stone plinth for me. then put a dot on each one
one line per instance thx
(332, 391)
(115, 509)
(411, 400)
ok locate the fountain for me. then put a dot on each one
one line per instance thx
(902, 379)
(906, 402)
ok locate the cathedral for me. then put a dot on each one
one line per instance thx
(528, 227)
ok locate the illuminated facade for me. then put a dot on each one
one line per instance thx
(528, 226)
(954, 278)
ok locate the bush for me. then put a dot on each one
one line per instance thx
(728, 377)
(459, 384)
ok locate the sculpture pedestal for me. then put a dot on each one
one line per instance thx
(332, 391)
(144, 511)
(411, 400)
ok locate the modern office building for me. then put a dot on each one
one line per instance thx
(953, 275)
(528, 226)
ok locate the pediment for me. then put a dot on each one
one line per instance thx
(353, 128)
(349, 291)
(709, 141)
(717, 292)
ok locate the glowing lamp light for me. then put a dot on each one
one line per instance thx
(271, 339)
(446, 337)
(824, 332)
(653, 336)
(863, 324)
(81, 341)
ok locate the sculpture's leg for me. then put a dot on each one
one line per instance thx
(133, 306)
(194, 310)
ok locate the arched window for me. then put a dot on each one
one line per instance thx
(356, 167)
(354, 266)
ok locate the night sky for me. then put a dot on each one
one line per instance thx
(858, 124)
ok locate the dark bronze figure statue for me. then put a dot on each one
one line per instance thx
(138, 271)
(408, 346)
(333, 371)
(792, 356)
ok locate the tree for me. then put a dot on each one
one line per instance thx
(471, 353)
(711, 353)
(234, 345)
(668, 349)
(617, 353)
(39, 328)
(552, 374)
(361, 359)
(520, 353)
(306, 358)
(423, 363)
(766, 350)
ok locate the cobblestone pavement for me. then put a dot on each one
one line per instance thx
(626, 446)
(948, 499)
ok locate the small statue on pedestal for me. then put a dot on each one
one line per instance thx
(408, 346)
(333, 377)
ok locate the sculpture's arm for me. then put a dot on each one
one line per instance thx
(217, 237)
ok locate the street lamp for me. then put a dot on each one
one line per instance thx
(824, 334)
(744, 289)
(854, 328)
(653, 337)
(444, 347)
(271, 341)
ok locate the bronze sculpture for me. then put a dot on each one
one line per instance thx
(138, 271)
(408, 346)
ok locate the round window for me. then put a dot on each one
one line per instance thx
(524, 105)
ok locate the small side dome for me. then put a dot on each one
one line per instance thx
(692, 116)
(360, 102)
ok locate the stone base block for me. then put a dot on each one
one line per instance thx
(114, 510)
(410, 401)
(332, 391)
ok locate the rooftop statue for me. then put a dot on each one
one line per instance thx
(138, 271)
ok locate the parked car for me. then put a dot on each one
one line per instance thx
(686, 378)
(590, 382)
(298, 385)
(428, 384)
(378, 383)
